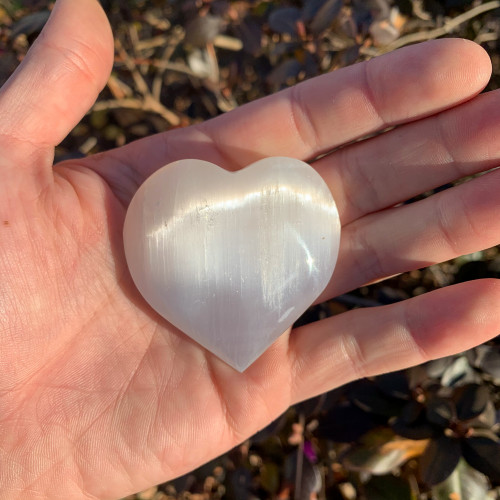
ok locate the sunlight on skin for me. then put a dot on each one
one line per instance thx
(100, 397)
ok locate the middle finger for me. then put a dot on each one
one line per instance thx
(458, 221)
(393, 167)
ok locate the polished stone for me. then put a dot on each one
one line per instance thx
(232, 258)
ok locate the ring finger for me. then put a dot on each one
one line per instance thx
(455, 222)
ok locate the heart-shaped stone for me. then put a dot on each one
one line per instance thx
(232, 258)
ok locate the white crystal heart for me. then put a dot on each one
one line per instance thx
(232, 258)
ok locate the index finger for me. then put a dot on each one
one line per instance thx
(320, 114)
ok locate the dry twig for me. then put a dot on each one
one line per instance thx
(177, 38)
(150, 102)
(149, 105)
(447, 28)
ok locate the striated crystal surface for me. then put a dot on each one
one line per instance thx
(232, 258)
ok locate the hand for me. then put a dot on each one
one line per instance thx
(99, 396)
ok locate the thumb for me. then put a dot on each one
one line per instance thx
(59, 79)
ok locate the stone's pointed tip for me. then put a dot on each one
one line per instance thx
(239, 368)
(239, 365)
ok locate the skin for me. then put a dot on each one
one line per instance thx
(99, 396)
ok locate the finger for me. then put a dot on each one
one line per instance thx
(323, 113)
(319, 114)
(381, 172)
(368, 342)
(58, 80)
(455, 222)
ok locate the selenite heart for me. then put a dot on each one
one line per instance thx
(232, 258)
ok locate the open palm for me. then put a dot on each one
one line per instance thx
(94, 384)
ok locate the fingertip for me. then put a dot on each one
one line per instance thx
(456, 318)
(487, 295)
(84, 30)
(476, 65)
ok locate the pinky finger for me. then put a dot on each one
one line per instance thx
(372, 341)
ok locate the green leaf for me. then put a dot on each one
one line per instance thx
(439, 460)
(270, 477)
(388, 488)
(383, 458)
(483, 454)
(465, 483)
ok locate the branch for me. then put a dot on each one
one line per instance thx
(148, 104)
(448, 27)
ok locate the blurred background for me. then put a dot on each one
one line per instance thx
(430, 432)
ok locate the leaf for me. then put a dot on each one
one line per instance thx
(284, 20)
(394, 384)
(488, 359)
(423, 430)
(440, 411)
(269, 477)
(471, 401)
(311, 8)
(483, 454)
(202, 65)
(465, 483)
(437, 367)
(238, 483)
(413, 424)
(250, 34)
(485, 420)
(383, 32)
(380, 9)
(311, 480)
(345, 423)
(30, 24)
(411, 412)
(383, 459)
(439, 460)
(279, 76)
(459, 371)
(310, 476)
(202, 30)
(388, 488)
(325, 16)
(485, 433)
(368, 397)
